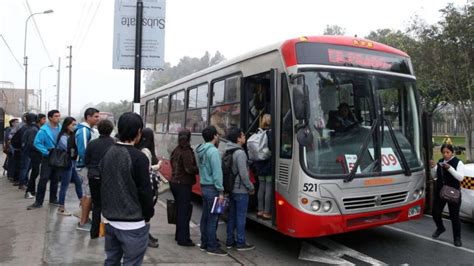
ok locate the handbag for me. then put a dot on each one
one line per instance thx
(58, 158)
(449, 194)
(171, 211)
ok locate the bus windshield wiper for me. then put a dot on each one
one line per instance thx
(405, 165)
(352, 174)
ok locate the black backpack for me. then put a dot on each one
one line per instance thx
(16, 140)
(227, 175)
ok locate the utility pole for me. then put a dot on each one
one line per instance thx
(70, 74)
(59, 79)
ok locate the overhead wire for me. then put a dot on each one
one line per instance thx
(83, 22)
(11, 52)
(79, 22)
(88, 28)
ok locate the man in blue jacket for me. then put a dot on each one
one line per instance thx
(84, 134)
(210, 173)
(45, 140)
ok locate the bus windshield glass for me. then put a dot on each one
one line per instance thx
(374, 117)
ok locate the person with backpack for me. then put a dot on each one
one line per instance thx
(210, 172)
(34, 155)
(240, 188)
(15, 146)
(68, 174)
(44, 141)
(25, 162)
(8, 149)
(95, 151)
(184, 171)
(262, 165)
(84, 134)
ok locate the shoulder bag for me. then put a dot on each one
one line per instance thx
(58, 158)
(447, 193)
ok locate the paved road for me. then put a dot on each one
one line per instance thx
(405, 243)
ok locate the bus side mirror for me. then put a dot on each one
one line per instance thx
(300, 97)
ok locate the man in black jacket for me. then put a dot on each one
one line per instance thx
(127, 197)
(32, 153)
(94, 153)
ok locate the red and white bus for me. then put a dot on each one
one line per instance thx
(346, 124)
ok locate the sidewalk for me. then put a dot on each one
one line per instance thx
(42, 237)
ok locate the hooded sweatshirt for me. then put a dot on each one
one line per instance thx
(83, 137)
(240, 167)
(209, 162)
(46, 139)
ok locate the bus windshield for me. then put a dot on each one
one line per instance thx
(369, 117)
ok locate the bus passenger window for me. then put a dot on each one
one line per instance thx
(150, 114)
(162, 115)
(196, 115)
(176, 112)
(225, 110)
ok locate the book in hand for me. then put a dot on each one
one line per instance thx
(218, 206)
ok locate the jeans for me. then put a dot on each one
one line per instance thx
(438, 206)
(236, 219)
(25, 164)
(182, 196)
(47, 173)
(94, 184)
(129, 244)
(67, 175)
(208, 220)
(35, 169)
(265, 194)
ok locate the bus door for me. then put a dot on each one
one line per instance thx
(259, 93)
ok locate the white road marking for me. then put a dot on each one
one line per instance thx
(333, 254)
(429, 239)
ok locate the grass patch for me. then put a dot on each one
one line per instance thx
(457, 141)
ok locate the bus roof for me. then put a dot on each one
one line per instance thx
(287, 48)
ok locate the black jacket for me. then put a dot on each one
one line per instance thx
(445, 177)
(29, 138)
(95, 151)
(126, 191)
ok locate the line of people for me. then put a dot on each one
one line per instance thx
(112, 177)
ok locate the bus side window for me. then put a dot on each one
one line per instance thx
(225, 109)
(286, 116)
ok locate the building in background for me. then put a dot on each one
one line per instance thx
(12, 101)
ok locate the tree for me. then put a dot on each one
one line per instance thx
(116, 108)
(186, 66)
(334, 30)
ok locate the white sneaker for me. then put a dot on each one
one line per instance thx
(28, 195)
(64, 212)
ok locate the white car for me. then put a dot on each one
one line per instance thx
(467, 192)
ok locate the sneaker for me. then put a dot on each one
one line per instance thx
(64, 212)
(84, 227)
(34, 206)
(152, 244)
(245, 247)
(187, 244)
(230, 246)
(217, 252)
(28, 195)
(437, 233)
(22, 187)
(202, 248)
(457, 242)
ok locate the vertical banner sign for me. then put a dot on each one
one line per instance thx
(153, 39)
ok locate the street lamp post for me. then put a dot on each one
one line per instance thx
(39, 87)
(26, 58)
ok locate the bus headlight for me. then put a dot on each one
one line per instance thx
(327, 206)
(417, 193)
(315, 205)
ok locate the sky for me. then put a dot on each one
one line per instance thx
(192, 28)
